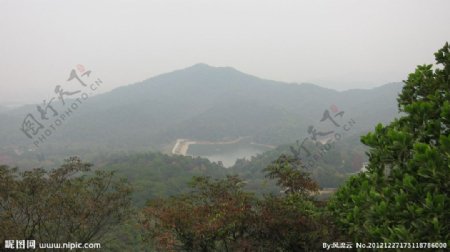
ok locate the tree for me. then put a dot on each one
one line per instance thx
(288, 171)
(219, 216)
(216, 215)
(404, 194)
(294, 220)
(62, 205)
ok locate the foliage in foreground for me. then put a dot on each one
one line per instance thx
(218, 215)
(404, 196)
(62, 205)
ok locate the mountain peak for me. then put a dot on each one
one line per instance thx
(204, 66)
(200, 66)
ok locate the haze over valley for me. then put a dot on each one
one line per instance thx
(200, 103)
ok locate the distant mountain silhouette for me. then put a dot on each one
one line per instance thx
(205, 103)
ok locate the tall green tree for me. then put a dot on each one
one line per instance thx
(404, 196)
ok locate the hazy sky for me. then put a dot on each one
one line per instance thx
(336, 44)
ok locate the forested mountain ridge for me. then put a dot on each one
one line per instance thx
(205, 103)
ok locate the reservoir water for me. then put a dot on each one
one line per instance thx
(227, 153)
